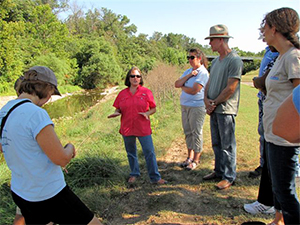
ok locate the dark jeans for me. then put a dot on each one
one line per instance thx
(282, 164)
(222, 127)
(265, 194)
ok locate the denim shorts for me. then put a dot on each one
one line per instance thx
(63, 208)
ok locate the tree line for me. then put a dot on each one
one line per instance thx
(87, 49)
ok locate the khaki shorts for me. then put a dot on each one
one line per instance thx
(192, 122)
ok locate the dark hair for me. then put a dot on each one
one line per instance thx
(31, 86)
(127, 79)
(285, 21)
(199, 53)
(17, 84)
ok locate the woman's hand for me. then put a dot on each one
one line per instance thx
(71, 148)
(144, 114)
(115, 114)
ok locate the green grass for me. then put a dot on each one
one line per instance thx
(99, 172)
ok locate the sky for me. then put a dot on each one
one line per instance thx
(194, 18)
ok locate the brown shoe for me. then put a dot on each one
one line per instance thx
(210, 176)
(131, 180)
(160, 182)
(223, 184)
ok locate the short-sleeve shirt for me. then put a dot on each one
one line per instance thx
(279, 87)
(130, 105)
(296, 98)
(266, 63)
(221, 70)
(34, 177)
(201, 78)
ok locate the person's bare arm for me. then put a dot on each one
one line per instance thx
(192, 90)
(232, 84)
(148, 113)
(287, 121)
(115, 114)
(180, 82)
(51, 145)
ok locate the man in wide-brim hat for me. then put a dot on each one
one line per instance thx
(221, 98)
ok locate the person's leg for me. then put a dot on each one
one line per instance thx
(264, 203)
(185, 112)
(197, 116)
(150, 157)
(265, 194)
(216, 144)
(95, 220)
(282, 163)
(261, 133)
(130, 146)
(228, 146)
(19, 218)
(258, 170)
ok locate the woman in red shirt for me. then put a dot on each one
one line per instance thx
(135, 104)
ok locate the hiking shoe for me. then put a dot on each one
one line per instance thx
(211, 176)
(160, 182)
(187, 162)
(256, 207)
(192, 166)
(131, 180)
(256, 173)
(223, 184)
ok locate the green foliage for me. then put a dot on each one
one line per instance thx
(90, 49)
(62, 68)
(97, 65)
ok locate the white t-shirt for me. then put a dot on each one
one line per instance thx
(34, 177)
(279, 87)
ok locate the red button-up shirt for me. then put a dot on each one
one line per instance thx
(132, 123)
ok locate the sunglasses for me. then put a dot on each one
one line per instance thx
(192, 57)
(137, 76)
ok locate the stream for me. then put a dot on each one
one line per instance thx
(72, 104)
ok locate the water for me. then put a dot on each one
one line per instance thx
(72, 104)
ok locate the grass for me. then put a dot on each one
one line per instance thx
(99, 172)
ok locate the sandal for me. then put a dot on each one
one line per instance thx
(187, 162)
(192, 166)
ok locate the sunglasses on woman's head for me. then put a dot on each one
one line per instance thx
(137, 76)
(192, 57)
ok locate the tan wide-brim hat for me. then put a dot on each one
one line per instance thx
(218, 31)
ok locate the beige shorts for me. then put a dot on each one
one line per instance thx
(192, 123)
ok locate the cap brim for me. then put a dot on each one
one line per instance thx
(218, 36)
(56, 92)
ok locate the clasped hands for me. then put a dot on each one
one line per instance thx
(210, 106)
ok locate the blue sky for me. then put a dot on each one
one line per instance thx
(193, 18)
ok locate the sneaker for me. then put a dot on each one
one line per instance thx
(192, 166)
(256, 207)
(187, 162)
(256, 173)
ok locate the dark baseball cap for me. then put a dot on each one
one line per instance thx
(47, 75)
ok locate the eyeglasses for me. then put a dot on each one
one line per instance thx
(137, 76)
(192, 57)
